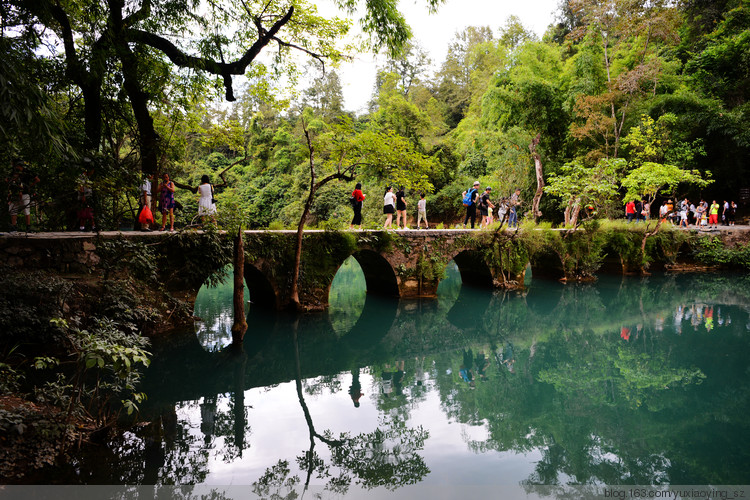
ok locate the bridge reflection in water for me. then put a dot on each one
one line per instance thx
(627, 381)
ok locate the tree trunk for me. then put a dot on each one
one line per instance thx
(239, 327)
(646, 236)
(147, 137)
(131, 73)
(576, 210)
(294, 296)
(539, 177)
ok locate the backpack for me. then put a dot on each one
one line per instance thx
(468, 197)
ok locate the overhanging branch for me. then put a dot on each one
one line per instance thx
(225, 70)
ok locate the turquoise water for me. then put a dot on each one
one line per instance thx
(626, 381)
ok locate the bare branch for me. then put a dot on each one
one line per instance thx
(336, 175)
(315, 56)
(225, 183)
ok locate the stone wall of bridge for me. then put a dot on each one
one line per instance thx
(405, 264)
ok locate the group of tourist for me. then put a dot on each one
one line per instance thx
(393, 203)
(686, 213)
(637, 210)
(396, 203)
(22, 195)
(168, 204)
(22, 198)
(472, 200)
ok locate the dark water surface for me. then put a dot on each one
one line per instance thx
(626, 381)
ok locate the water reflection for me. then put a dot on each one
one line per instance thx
(213, 310)
(347, 296)
(635, 381)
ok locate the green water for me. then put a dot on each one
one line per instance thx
(626, 381)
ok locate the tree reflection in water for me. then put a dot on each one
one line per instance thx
(623, 382)
(385, 457)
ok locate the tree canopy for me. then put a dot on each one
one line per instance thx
(135, 87)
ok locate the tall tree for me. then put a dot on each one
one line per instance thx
(454, 77)
(628, 34)
(340, 152)
(151, 45)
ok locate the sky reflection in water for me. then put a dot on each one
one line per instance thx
(628, 381)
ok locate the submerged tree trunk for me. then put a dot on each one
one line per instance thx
(294, 295)
(239, 326)
(539, 177)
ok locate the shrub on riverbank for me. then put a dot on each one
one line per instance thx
(69, 365)
(713, 251)
(579, 254)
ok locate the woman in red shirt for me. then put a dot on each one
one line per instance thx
(630, 210)
(357, 199)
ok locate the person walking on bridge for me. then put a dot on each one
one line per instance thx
(470, 197)
(357, 199)
(166, 202)
(422, 211)
(206, 203)
(485, 205)
(515, 202)
(401, 208)
(21, 194)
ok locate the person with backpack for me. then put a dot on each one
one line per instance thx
(470, 197)
(356, 200)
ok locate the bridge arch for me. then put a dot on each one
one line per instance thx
(263, 290)
(473, 268)
(361, 319)
(379, 273)
(546, 266)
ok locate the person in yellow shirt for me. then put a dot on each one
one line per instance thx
(713, 215)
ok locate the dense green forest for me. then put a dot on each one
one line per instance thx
(610, 87)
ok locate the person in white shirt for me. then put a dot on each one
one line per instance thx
(206, 204)
(389, 206)
(422, 211)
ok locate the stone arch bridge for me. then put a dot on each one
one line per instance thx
(405, 264)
